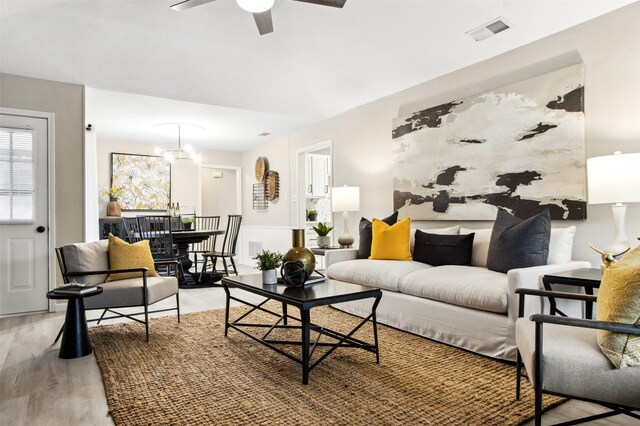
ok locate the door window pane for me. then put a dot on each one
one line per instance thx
(17, 175)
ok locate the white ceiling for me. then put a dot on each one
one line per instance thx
(319, 62)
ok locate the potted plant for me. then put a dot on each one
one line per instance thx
(312, 215)
(113, 207)
(269, 262)
(324, 240)
(187, 223)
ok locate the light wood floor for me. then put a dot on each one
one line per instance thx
(38, 388)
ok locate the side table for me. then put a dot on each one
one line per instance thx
(75, 336)
(589, 278)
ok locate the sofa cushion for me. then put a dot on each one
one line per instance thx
(519, 243)
(437, 250)
(384, 274)
(366, 234)
(480, 249)
(471, 287)
(123, 255)
(128, 292)
(391, 242)
(92, 256)
(619, 301)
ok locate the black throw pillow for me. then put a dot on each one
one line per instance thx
(366, 234)
(436, 249)
(517, 243)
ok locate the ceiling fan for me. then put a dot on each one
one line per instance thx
(261, 9)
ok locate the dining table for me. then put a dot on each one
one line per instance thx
(182, 240)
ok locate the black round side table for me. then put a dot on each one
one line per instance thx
(75, 336)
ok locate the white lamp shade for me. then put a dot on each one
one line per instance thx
(255, 6)
(345, 199)
(614, 179)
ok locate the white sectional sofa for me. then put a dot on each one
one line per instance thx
(470, 307)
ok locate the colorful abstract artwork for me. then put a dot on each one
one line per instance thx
(520, 147)
(145, 181)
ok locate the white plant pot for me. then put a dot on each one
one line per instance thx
(324, 242)
(270, 276)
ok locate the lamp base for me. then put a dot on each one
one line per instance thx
(346, 240)
(620, 241)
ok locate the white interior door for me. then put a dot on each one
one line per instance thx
(24, 253)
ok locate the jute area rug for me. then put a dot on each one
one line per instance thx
(190, 374)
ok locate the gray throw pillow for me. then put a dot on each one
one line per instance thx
(366, 234)
(517, 243)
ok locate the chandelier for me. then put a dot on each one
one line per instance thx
(186, 153)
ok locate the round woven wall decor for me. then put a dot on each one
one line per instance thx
(272, 185)
(262, 166)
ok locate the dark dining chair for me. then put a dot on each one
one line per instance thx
(131, 229)
(158, 231)
(208, 245)
(228, 247)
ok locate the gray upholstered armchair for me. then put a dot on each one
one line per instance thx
(562, 357)
(88, 263)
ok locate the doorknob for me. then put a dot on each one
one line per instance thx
(41, 229)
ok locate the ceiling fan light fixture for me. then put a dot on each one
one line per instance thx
(255, 6)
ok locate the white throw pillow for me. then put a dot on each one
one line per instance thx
(480, 250)
(452, 230)
(561, 245)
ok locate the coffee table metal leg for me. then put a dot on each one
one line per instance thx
(375, 327)
(226, 312)
(75, 338)
(306, 335)
(284, 313)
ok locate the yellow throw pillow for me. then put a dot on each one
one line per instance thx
(123, 255)
(619, 301)
(391, 242)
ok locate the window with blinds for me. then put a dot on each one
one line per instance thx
(17, 175)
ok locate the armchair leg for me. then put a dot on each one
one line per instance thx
(146, 320)
(518, 374)
(538, 375)
(178, 305)
(59, 334)
(102, 316)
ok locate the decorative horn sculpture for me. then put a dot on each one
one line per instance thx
(608, 259)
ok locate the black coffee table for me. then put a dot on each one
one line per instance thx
(303, 298)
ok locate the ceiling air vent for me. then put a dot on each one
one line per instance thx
(264, 134)
(487, 30)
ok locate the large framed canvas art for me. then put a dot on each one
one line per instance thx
(145, 181)
(520, 147)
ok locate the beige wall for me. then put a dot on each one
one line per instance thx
(608, 46)
(219, 195)
(278, 154)
(66, 101)
(185, 175)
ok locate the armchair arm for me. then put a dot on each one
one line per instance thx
(555, 294)
(531, 278)
(587, 323)
(339, 255)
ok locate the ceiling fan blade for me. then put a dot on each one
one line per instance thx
(188, 4)
(264, 22)
(332, 3)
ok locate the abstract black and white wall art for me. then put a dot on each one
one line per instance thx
(520, 147)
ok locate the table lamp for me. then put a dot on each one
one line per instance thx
(345, 199)
(615, 179)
